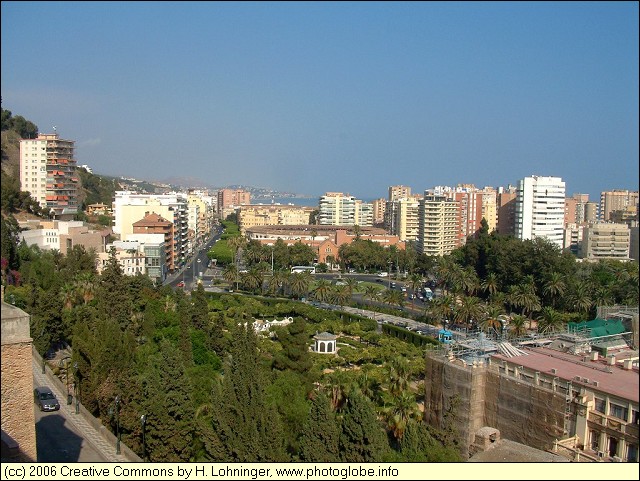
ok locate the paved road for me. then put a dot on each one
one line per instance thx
(64, 436)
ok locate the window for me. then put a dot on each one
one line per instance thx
(618, 411)
(600, 405)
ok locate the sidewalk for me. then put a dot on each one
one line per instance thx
(98, 440)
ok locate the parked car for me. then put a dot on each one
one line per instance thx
(383, 274)
(181, 284)
(45, 399)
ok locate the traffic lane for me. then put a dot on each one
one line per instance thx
(58, 440)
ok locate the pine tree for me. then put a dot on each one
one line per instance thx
(166, 401)
(294, 355)
(362, 438)
(245, 424)
(319, 442)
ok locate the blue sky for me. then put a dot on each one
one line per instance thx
(352, 97)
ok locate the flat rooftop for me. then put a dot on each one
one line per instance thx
(619, 382)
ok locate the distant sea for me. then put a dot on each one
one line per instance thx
(301, 201)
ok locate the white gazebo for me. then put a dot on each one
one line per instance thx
(325, 343)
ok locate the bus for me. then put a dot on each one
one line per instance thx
(298, 269)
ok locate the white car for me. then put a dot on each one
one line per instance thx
(383, 274)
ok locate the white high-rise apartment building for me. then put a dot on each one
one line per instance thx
(337, 208)
(540, 203)
(47, 172)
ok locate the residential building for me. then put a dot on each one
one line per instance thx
(379, 208)
(129, 207)
(155, 229)
(506, 207)
(605, 240)
(397, 192)
(229, 199)
(614, 200)
(47, 172)
(439, 225)
(272, 214)
(540, 203)
(64, 235)
(336, 208)
(405, 223)
(363, 214)
(129, 254)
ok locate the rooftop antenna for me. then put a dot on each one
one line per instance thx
(54, 130)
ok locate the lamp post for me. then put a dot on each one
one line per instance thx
(66, 367)
(143, 420)
(199, 260)
(76, 384)
(389, 274)
(117, 424)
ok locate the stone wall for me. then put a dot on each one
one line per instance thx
(522, 412)
(18, 418)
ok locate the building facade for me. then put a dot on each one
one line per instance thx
(336, 208)
(540, 207)
(272, 214)
(47, 172)
(615, 200)
(605, 240)
(439, 225)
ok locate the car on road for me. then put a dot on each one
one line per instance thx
(181, 284)
(45, 399)
(383, 274)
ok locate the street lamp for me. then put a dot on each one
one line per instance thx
(389, 274)
(76, 384)
(117, 424)
(143, 420)
(66, 367)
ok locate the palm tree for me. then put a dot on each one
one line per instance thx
(414, 282)
(393, 296)
(517, 326)
(398, 373)
(371, 293)
(230, 274)
(253, 279)
(68, 293)
(322, 292)
(524, 297)
(490, 284)
(492, 319)
(341, 294)
(300, 283)
(579, 299)
(86, 286)
(470, 308)
(555, 287)
(468, 280)
(441, 307)
(277, 281)
(399, 411)
(549, 320)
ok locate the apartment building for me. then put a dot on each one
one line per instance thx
(64, 235)
(229, 199)
(506, 210)
(439, 225)
(129, 254)
(337, 208)
(47, 172)
(605, 240)
(397, 192)
(611, 201)
(206, 212)
(363, 214)
(155, 229)
(272, 214)
(540, 205)
(129, 207)
(379, 209)
(403, 218)
(475, 205)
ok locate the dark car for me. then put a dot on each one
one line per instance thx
(45, 399)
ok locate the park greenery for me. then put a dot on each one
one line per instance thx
(214, 390)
